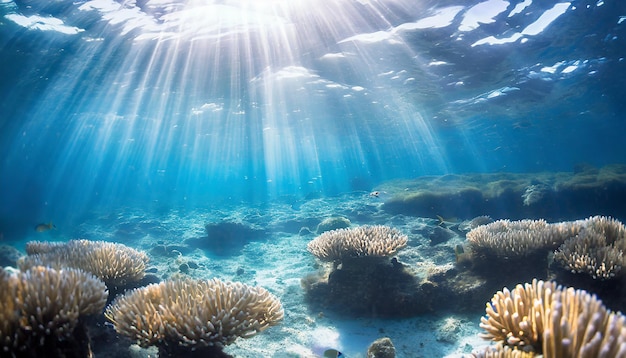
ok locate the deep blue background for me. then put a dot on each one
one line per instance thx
(99, 120)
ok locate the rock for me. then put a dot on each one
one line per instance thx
(227, 238)
(381, 348)
(333, 223)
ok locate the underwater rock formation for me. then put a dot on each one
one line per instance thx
(381, 348)
(226, 238)
(551, 196)
(332, 223)
(367, 287)
(364, 281)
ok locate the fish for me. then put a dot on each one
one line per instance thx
(375, 194)
(446, 223)
(44, 227)
(333, 353)
(458, 250)
(462, 257)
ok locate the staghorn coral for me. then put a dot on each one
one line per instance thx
(589, 253)
(501, 351)
(115, 264)
(593, 246)
(544, 318)
(612, 229)
(596, 250)
(370, 241)
(194, 314)
(43, 247)
(505, 238)
(40, 311)
(362, 269)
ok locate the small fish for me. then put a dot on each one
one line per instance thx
(45, 227)
(332, 353)
(442, 222)
(462, 257)
(447, 223)
(375, 194)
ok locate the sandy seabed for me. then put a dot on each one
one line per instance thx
(278, 260)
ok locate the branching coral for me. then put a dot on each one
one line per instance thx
(544, 318)
(593, 246)
(519, 238)
(589, 253)
(371, 241)
(362, 268)
(115, 264)
(502, 351)
(194, 314)
(41, 307)
(597, 250)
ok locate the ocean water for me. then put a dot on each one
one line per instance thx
(140, 122)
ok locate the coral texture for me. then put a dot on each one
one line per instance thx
(42, 306)
(544, 318)
(115, 264)
(194, 313)
(594, 246)
(519, 238)
(502, 351)
(371, 241)
(597, 250)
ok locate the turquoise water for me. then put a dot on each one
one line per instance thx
(106, 104)
(142, 121)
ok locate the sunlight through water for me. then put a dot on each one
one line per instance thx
(203, 101)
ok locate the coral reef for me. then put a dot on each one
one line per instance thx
(597, 250)
(581, 253)
(362, 268)
(534, 193)
(116, 264)
(543, 318)
(501, 351)
(551, 196)
(508, 245)
(41, 311)
(185, 316)
(505, 238)
(370, 241)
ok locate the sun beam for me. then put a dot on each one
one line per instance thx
(191, 98)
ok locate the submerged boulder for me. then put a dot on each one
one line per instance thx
(226, 238)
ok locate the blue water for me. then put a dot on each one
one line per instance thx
(182, 104)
